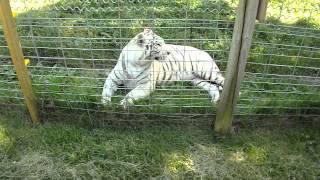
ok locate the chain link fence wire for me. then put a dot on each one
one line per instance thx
(282, 73)
(73, 45)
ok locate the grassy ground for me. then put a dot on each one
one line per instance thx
(58, 150)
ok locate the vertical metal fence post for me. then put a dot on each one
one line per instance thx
(13, 42)
(241, 42)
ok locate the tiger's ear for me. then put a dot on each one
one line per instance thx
(147, 31)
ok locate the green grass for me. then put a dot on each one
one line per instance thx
(72, 149)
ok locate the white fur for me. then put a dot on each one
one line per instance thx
(138, 70)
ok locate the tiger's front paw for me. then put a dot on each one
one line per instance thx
(126, 102)
(105, 100)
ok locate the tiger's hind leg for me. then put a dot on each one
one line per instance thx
(212, 75)
(216, 78)
(212, 89)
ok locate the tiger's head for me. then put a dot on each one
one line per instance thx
(150, 44)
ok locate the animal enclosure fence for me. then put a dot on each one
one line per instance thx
(71, 46)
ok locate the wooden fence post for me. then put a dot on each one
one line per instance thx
(13, 42)
(241, 42)
(262, 11)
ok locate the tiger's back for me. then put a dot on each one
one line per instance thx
(184, 63)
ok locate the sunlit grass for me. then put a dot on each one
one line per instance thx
(6, 142)
(290, 11)
(21, 6)
(177, 163)
(238, 156)
(4, 139)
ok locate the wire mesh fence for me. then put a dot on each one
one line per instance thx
(73, 46)
(282, 74)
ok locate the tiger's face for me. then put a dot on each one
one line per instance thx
(151, 44)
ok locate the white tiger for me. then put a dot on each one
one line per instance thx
(146, 61)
